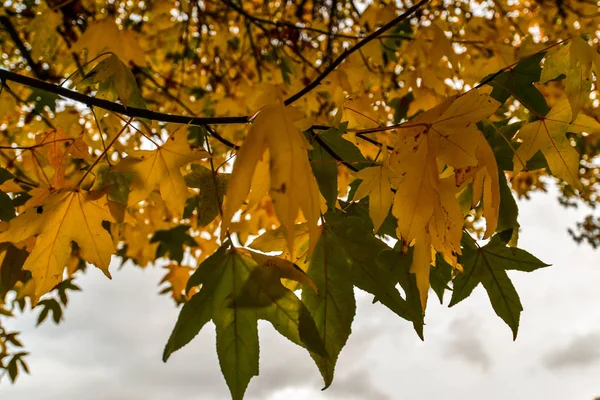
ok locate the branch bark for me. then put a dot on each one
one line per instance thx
(36, 68)
(119, 108)
(308, 88)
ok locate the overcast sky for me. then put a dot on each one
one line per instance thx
(109, 345)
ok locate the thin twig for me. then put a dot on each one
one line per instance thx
(104, 152)
(36, 68)
(308, 88)
(332, 12)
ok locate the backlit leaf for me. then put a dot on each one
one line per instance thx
(63, 217)
(488, 265)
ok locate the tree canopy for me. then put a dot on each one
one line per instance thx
(272, 156)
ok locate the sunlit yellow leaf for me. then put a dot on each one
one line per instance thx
(549, 135)
(63, 217)
(293, 186)
(376, 185)
(161, 168)
(104, 36)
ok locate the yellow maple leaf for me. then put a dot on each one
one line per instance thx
(575, 61)
(584, 123)
(376, 184)
(445, 226)
(178, 276)
(293, 186)
(276, 240)
(359, 113)
(414, 198)
(105, 36)
(548, 134)
(446, 133)
(261, 181)
(45, 35)
(441, 46)
(425, 203)
(161, 167)
(116, 80)
(65, 216)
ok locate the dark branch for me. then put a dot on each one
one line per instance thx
(170, 96)
(37, 69)
(332, 153)
(332, 12)
(353, 49)
(119, 108)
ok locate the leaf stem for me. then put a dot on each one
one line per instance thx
(104, 152)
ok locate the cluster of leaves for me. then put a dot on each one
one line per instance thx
(274, 157)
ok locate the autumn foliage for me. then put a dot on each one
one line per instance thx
(273, 156)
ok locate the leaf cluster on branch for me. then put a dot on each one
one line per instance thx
(273, 156)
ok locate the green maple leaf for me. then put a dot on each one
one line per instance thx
(235, 293)
(42, 99)
(324, 166)
(398, 264)
(518, 82)
(440, 276)
(208, 202)
(11, 267)
(333, 139)
(346, 256)
(488, 265)
(171, 242)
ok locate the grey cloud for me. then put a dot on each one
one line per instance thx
(109, 347)
(356, 385)
(582, 351)
(466, 344)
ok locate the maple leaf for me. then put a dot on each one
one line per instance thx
(334, 306)
(171, 242)
(518, 82)
(447, 134)
(115, 82)
(346, 254)
(105, 36)
(63, 217)
(161, 167)
(292, 184)
(236, 292)
(488, 265)
(574, 60)
(276, 241)
(212, 190)
(548, 135)
(7, 210)
(11, 268)
(285, 269)
(45, 36)
(376, 185)
(177, 276)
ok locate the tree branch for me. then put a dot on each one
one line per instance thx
(119, 108)
(168, 94)
(351, 50)
(332, 12)
(36, 68)
(332, 153)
